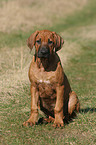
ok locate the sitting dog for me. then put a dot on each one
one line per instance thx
(50, 89)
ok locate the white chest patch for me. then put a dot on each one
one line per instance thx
(44, 81)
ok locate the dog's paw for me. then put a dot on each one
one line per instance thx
(50, 119)
(29, 123)
(58, 125)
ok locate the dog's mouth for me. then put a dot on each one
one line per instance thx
(43, 52)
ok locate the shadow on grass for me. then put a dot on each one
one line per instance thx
(68, 120)
(88, 110)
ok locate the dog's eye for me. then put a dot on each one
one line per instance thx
(38, 41)
(50, 42)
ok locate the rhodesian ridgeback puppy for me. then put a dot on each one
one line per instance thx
(50, 89)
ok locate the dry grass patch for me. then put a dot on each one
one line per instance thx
(88, 33)
(25, 15)
(69, 50)
(14, 69)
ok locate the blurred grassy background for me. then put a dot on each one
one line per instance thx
(75, 21)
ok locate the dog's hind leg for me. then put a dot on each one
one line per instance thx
(73, 104)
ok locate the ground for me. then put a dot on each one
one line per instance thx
(75, 21)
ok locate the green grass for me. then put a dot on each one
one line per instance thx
(81, 18)
(80, 70)
(81, 73)
(13, 39)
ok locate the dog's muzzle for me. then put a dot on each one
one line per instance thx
(43, 52)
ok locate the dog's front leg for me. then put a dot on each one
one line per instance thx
(58, 110)
(34, 107)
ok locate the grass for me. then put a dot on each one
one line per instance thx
(29, 14)
(81, 73)
(80, 69)
(82, 18)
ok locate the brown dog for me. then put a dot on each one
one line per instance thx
(50, 89)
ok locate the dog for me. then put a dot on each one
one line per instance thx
(50, 88)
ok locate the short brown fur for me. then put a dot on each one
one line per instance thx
(50, 89)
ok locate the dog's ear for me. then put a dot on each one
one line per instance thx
(58, 41)
(31, 40)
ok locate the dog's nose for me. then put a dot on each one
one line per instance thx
(44, 50)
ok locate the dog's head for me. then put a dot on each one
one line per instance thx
(45, 43)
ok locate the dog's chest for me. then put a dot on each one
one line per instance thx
(42, 77)
(44, 81)
(47, 93)
(46, 90)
